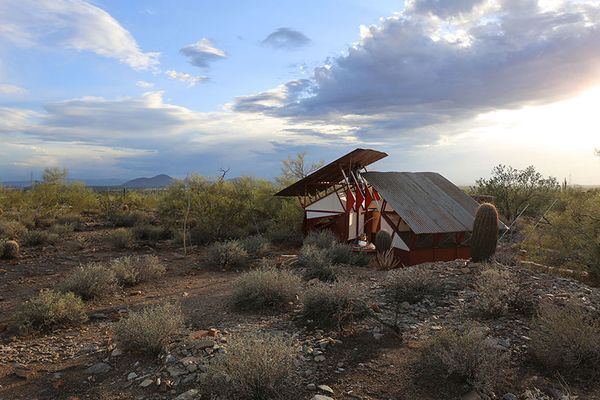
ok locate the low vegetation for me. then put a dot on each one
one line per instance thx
(9, 249)
(255, 367)
(121, 238)
(496, 292)
(228, 255)
(566, 339)
(50, 309)
(133, 270)
(453, 359)
(316, 263)
(149, 330)
(336, 304)
(90, 281)
(39, 238)
(256, 246)
(321, 239)
(413, 284)
(266, 288)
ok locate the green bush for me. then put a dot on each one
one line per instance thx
(39, 238)
(334, 305)
(50, 309)
(316, 263)
(90, 281)
(126, 219)
(265, 288)
(149, 330)
(121, 238)
(151, 233)
(254, 368)
(228, 255)
(453, 359)
(321, 239)
(133, 270)
(256, 246)
(566, 340)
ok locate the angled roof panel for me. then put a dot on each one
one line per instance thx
(331, 173)
(426, 201)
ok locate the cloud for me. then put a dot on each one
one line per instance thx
(287, 39)
(415, 74)
(144, 84)
(271, 100)
(8, 89)
(191, 80)
(443, 8)
(72, 24)
(202, 53)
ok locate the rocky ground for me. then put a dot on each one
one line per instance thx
(367, 360)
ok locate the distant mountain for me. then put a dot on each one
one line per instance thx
(158, 181)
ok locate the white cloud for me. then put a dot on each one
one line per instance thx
(202, 53)
(144, 84)
(74, 24)
(191, 80)
(8, 89)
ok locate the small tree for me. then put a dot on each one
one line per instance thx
(514, 189)
(54, 175)
(294, 169)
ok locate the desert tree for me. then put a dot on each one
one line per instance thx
(55, 175)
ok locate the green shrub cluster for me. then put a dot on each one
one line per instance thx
(336, 304)
(133, 270)
(265, 288)
(228, 255)
(50, 309)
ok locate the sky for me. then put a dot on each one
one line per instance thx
(122, 89)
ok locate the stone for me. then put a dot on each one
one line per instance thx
(321, 397)
(116, 352)
(204, 344)
(319, 358)
(189, 395)
(131, 376)
(199, 334)
(175, 372)
(170, 359)
(98, 368)
(311, 386)
(509, 396)
(325, 388)
(146, 382)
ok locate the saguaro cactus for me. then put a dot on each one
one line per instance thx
(383, 241)
(485, 233)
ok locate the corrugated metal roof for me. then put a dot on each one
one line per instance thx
(426, 201)
(331, 174)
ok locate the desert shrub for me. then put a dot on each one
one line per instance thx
(126, 219)
(566, 340)
(413, 284)
(228, 255)
(12, 230)
(50, 309)
(496, 292)
(256, 246)
(463, 357)
(71, 219)
(9, 249)
(151, 233)
(341, 253)
(130, 271)
(316, 263)
(151, 329)
(90, 281)
(61, 230)
(334, 305)
(360, 259)
(39, 238)
(121, 238)
(254, 368)
(265, 288)
(321, 239)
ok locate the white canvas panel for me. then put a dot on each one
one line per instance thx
(327, 203)
(315, 214)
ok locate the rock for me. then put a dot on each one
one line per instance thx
(319, 358)
(311, 386)
(175, 372)
(509, 396)
(199, 334)
(131, 376)
(170, 359)
(189, 395)
(98, 368)
(321, 397)
(377, 336)
(405, 305)
(325, 388)
(204, 344)
(471, 396)
(116, 352)
(146, 382)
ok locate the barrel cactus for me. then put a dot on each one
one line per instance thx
(485, 233)
(11, 249)
(383, 241)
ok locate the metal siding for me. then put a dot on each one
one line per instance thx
(426, 201)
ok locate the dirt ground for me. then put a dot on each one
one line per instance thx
(365, 361)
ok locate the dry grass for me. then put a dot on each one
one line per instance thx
(316, 263)
(255, 367)
(265, 288)
(496, 292)
(455, 359)
(566, 340)
(337, 304)
(151, 233)
(50, 309)
(133, 270)
(149, 330)
(11, 230)
(39, 238)
(228, 255)
(90, 281)
(413, 284)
